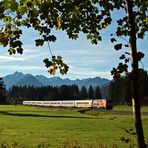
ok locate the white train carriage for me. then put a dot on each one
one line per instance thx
(54, 103)
(83, 103)
(68, 103)
(98, 103)
(39, 103)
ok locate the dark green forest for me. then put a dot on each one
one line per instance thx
(120, 90)
(17, 94)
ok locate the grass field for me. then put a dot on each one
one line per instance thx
(34, 127)
(129, 108)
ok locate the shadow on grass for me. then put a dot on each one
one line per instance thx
(39, 115)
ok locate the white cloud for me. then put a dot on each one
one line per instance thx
(20, 67)
(10, 58)
(87, 72)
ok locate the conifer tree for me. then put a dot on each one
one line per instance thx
(98, 94)
(91, 92)
(83, 93)
(2, 92)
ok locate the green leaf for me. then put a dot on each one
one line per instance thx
(94, 1)
(13, 5)
(7, 19)
(51, 38)
(39, 42)
(89, 36)
(22, 9)
(58, 23)
(11, 51)
(20, 50)
(18, 43)
(113, 40)
(52, 71)
(118, 46)
(140, 55)
(127, 53)
(127, 60)
(126, 45)
(146, 20)
(122, 57)
(103, 26)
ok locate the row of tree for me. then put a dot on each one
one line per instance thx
(72, 92)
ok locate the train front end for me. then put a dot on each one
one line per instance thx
(102, 104)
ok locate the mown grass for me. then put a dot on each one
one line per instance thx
(31, 127)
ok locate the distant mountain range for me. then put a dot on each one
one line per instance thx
(20, 79)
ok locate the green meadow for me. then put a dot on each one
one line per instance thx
(36, 127)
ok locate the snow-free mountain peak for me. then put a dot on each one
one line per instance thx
(20, 79)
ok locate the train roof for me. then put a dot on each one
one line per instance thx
(68, 100)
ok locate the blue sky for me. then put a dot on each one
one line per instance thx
(84, 59)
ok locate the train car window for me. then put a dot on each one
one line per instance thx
(47, 103)
(67, 102)
(82, 102)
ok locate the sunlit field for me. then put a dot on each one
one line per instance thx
(31, 127)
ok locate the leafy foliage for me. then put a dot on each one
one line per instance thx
(56, 63)
(73, 17)
(122, 68)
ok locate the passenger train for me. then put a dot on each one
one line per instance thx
(102, 103)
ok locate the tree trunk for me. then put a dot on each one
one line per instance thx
(135, 85)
